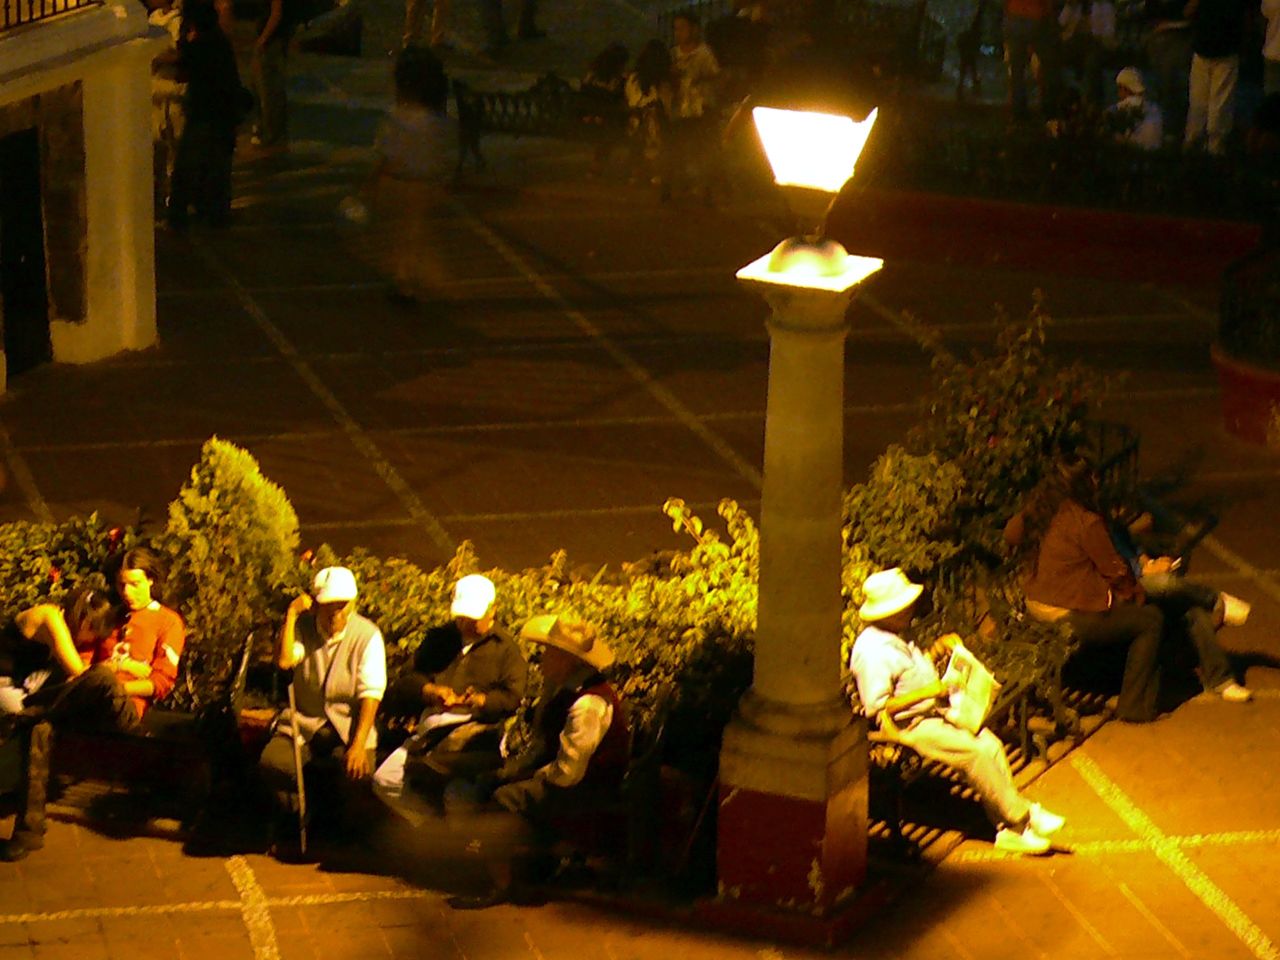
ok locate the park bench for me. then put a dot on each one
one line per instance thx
(552, 107)
(170, 770)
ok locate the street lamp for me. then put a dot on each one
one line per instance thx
(812, 155)
(793, 814)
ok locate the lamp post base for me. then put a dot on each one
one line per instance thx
(792, 823)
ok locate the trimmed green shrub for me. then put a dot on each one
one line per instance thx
(42, 562)
(231, 543)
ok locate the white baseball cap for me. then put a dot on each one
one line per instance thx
(334, 585)
(473, 597)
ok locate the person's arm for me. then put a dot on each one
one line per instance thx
(1095, 541)
(371, 684)
(50, 620)
(501, 697)
(156, 678)
(289, 651)
(356, 759)
(588, 722)
(1015, 531)
(875, 681)
(274, 17)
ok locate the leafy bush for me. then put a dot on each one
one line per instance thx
(999, 419)
(231, 542)
(42, 562)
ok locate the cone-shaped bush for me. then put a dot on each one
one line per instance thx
(231, 542)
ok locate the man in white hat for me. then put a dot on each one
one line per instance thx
(468, 678)
(578, 754)
(899, 687)
(1140, 121)
(339, 676)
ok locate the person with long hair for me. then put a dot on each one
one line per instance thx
(1074, 573)
(46, 682)
(145, 650)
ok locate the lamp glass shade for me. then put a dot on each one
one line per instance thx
(814, 150)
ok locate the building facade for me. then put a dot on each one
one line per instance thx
(77, 241)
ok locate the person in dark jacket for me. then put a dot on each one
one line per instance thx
(214, 105)
(576, 759)
(468, 678)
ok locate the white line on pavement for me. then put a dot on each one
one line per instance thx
(637, 372)
(1094, 933)
(1098, 848)
(355, 433)
(1170, 853)
(254, 909)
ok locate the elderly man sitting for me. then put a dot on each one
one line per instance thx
(468, 678)
(339, 676)
(900, 689)
(577, 757)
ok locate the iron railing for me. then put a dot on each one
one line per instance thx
(18, 13)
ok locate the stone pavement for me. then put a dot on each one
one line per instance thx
(590, 356)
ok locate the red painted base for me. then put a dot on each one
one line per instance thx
(788, 854)
(1249, 396)
(829, 929)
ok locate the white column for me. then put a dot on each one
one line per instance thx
(120, 255)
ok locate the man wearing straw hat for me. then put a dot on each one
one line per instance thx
(339, 676)
(900, 689)
(579, 752)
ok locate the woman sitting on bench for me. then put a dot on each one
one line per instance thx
(45, 681)
(1076, 574)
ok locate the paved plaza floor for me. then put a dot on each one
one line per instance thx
(590, 356)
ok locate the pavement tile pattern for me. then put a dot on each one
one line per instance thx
(590, 356)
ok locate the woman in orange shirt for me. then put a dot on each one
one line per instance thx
(147, 647)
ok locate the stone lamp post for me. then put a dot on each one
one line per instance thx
(792, 823)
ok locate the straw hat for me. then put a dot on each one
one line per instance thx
(887, 592)
(579, 639)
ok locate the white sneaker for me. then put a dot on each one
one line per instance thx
(1044, 823)
(1026, 841)
(1232, 692)
(1234, 610)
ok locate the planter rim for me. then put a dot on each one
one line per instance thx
(1222, 358)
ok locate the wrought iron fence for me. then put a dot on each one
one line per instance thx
(17, 13)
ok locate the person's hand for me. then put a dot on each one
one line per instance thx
(472, 699)
(1156, 565)
(356, 763)
(135, 668)
(943, 646)
(436, 691)
(301, 604)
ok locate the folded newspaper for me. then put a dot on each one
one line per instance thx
(973, 689)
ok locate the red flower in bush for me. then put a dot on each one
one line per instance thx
(54, 574)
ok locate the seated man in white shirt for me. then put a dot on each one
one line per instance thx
(339, 676)
(1140, 122)
(901, 691)
(579, 752)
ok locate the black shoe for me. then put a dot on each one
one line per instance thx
(495, 897)
(20, 846)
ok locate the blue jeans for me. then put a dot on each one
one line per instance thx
(1193, 605)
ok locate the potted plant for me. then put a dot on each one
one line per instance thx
(1247, 354)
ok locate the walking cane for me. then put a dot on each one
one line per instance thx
(297, 770)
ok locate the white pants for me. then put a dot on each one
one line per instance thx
(388, 784)
(979, 757)
(1212, 104)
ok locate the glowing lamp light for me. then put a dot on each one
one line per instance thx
(814, 150)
